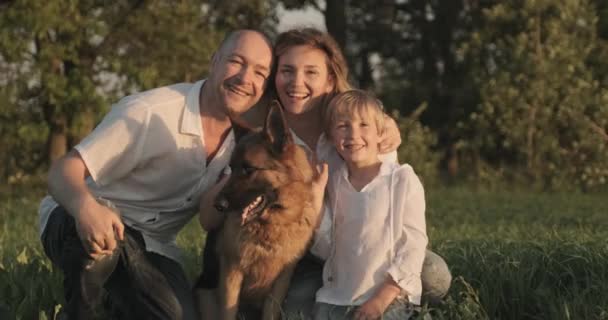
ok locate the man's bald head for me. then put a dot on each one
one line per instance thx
(233, 37)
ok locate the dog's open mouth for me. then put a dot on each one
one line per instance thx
(253, 209)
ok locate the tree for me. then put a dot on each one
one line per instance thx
(69, 59)
(541, 111)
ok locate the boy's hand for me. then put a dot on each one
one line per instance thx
(391, 137)
(372, 309)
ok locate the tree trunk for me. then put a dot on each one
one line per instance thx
(58, 138)
(85, 124)
(452, 160)
(366, 79)
(335, 21)
(530, 134)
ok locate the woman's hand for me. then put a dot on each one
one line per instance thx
(391, 137)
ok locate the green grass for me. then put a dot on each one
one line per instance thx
(513, 255)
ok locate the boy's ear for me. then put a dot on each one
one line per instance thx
(240, 128)
(276, 129)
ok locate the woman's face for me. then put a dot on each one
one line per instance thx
(302, 78)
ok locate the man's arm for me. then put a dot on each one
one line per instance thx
(98, 226)
(209, 217)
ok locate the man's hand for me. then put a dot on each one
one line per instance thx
(208, 216)
(391, 138)
(99, 228)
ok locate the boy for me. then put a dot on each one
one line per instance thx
(376, 247)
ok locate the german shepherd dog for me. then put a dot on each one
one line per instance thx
(269, 219)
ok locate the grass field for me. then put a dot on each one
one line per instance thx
(513, 255)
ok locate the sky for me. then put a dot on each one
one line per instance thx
(308, 17)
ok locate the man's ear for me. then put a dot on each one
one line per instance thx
(275, 128)
(240, 128)
(215, 60)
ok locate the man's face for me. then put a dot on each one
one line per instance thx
(239, 72)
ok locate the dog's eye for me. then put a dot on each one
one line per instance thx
(276, 206)
(247, 170)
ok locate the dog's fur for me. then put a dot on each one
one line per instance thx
(259, 248)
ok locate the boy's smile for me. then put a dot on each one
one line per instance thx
(356, 138)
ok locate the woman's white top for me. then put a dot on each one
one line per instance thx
(368, 235)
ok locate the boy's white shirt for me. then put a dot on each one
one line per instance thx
(375, 233)
(390, 241)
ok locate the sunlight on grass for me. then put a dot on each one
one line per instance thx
(512, 255)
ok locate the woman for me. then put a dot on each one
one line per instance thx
(310, 70)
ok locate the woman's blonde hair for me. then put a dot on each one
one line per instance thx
(353, 102)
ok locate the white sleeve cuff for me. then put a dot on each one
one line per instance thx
(410, 283)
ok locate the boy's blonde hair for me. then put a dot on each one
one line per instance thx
(354, 102)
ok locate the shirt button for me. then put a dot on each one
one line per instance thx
(189, 199)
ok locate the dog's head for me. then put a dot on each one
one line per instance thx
(269, 173)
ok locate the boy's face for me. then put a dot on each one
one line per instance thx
(356, 138)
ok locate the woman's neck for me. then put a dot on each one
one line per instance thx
(307, 126)
(361, 175)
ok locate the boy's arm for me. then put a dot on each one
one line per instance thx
(97, 225)
(321, 245)
(321, 242)
(410, 248)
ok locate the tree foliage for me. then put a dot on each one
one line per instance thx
(511, 89)
(65, 61)
(542, 112)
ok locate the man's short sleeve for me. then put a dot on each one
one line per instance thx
(116, 145)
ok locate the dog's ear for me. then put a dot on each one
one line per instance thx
(240, 128)
(276, 129)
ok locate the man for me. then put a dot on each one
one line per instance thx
(118, 200)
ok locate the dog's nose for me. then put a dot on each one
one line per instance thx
(221, 204)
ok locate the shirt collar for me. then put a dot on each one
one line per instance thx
(299, 141)
(386, 168)
(191, 118)
(322, 144)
